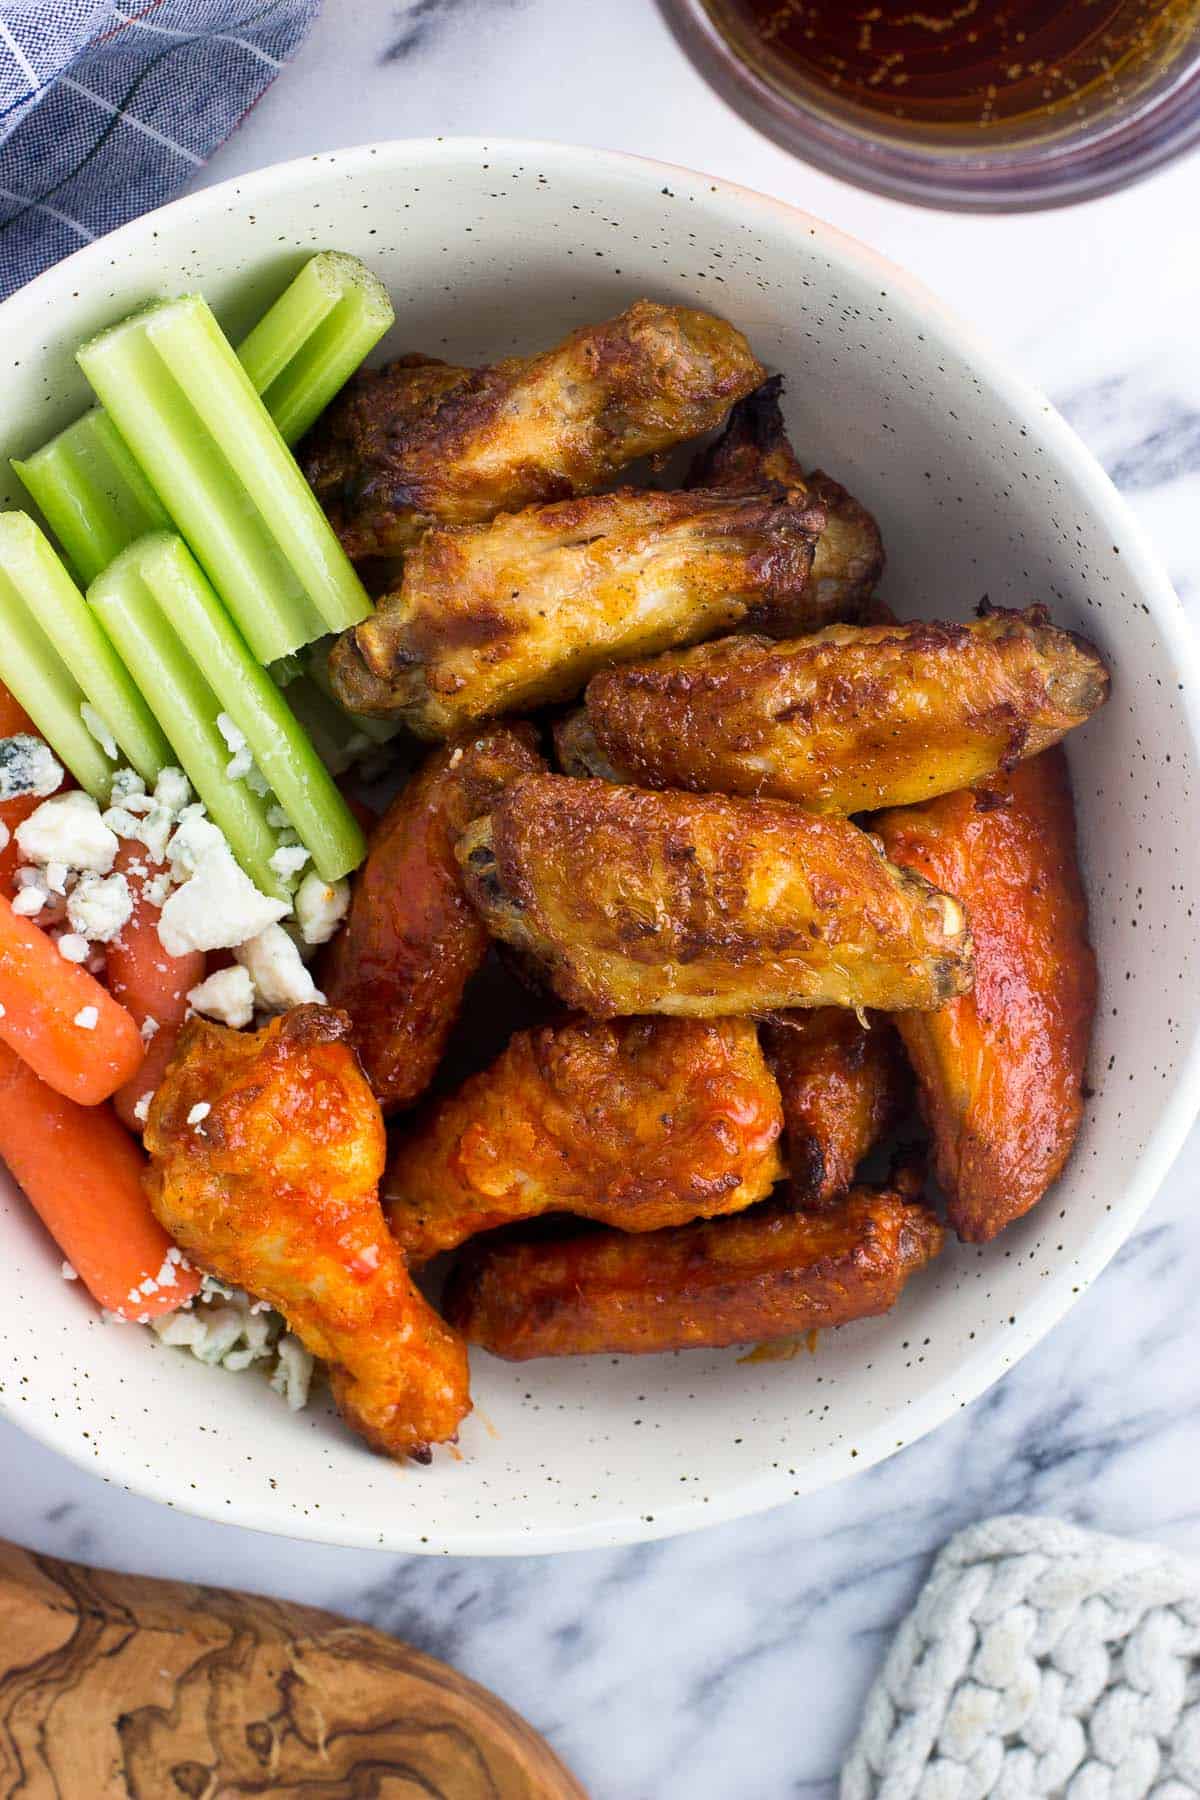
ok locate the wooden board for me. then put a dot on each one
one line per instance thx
(113, 1687)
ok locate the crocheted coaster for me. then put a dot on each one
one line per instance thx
(1040, 1659)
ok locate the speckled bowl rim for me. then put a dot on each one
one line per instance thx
(968, 1378)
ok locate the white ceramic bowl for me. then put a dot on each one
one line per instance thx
(980, 489)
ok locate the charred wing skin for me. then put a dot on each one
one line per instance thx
(523, 431)
(844, 1084)
(639, 1123)
(852, 718)
(349, 450)
(274, 1189)
(766, 1274)
(496, 618)
(1000, 1071)
(412, 941)
(754, 447)
(694, 904)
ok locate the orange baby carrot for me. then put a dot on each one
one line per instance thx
(13, 717)
(67, 1027)
(83, 1176)
(149, 984)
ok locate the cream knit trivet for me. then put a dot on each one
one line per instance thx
(1040, 1659)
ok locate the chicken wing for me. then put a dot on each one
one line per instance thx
(1000, 1071)
(420, 442)
(844, 1083)
(266, 1152)
(496, 618)
(636, 1122)
(854, 717)
(402, 961)
(695, 904)
(754, 447)
(768, 1273)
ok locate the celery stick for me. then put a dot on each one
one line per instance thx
(37, 596)
(303, 349)
(246, 692)
(91, 492)
(311, 341)
(179, 693)
(185, 406)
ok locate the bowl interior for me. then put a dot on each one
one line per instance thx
(980, 491)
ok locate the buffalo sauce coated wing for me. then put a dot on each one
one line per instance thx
(266, 1152)
(420, 442)
(844, 1083)
(769, 1273)
(754, 447)
(402, 961)
(497, 618)
(853, 717)
(1000, 1070)
(637, 1122)
(636, 902)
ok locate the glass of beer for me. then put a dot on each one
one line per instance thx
(975, 104)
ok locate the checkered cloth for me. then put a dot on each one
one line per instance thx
(106, 109)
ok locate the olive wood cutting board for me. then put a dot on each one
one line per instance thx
(113, 1687)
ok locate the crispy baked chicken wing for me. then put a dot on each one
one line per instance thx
(851, 718)
(1000, 1071)
(412, 941)
(636, 1122)
(496, 618)
(266, 1152)
(844, 1083)
(754, 447)
(420, 442)
(636, 902)
(769, 1273)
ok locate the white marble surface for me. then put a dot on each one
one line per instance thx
(734, 1662)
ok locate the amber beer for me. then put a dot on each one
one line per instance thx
(978, 65)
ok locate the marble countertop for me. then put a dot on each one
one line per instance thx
(735, 1661)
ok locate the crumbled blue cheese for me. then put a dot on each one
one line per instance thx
(68, 829)
(274, 965)
(28, 768)
(99, 730)
(241, 761)
(217, 907)
(73, 948)
(87, 1018)
(320, 907)
(227, 1329)
(148, 819)
(194, 834)
(288, 861)
(99, 905)
(227, 996)
(29, 898)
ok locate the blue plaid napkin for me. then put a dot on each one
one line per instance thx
(106, 109)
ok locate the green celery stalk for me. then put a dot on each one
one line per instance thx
(54, 655)
(163, 666)
(310, 342)
(91, 493)
(177, 394)
(246, 692)
(302, 351)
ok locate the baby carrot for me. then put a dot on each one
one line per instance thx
(67, 1027)
(13, 717)
(83, 1176)
(149, 984)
